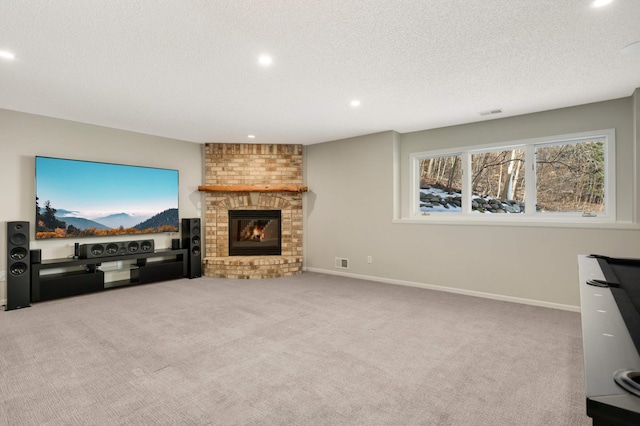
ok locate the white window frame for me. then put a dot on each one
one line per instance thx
(530, 214)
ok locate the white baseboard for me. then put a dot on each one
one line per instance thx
(450, 290)
(438, 288)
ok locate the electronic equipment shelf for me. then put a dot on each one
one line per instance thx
(90, 277)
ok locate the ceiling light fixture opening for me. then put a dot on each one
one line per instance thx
(355, 103)
(265, 60)
(7, 55)
(600, 3)
(251, 136)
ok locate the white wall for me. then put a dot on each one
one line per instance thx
(350, 211)
(23, 136)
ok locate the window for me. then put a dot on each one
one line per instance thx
(566, 177)
(570, 177)
(441, 184)
(498, 181)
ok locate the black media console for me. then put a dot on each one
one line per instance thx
(79, 276)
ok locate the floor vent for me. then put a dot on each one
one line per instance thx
(342, 263)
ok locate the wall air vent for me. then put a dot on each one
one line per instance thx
(342, 263)
(491, 112)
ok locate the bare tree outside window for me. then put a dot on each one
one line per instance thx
(561, 176)
(441, 184)
(570, 177)
(497, 181)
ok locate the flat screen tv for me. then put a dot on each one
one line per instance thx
(89, 199)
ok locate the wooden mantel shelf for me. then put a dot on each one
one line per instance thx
(253, 188)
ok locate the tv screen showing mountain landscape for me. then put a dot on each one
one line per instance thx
(88, 199)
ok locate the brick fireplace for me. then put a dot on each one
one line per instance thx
(246, 177)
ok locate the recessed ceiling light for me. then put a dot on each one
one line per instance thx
(632, 48)
(600, 3)
(6, 55)
(265, 60)
(355, 103)
(251, 136)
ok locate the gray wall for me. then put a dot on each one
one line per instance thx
(350, 212)
(617, 114)
(23, 136)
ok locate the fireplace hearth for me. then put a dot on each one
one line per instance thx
(255, 232)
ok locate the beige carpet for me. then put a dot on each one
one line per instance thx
(308, 350)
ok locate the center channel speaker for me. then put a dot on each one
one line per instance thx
(192, 241)
(121, 248)
(18, 266)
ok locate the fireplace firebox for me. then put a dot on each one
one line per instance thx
(255, 232)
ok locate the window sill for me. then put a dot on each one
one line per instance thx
(467, 220)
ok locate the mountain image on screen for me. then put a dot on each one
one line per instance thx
(121, 219)
(54, 223)
(163, 219)
(80, 222)
(76, 198)
(107, 222)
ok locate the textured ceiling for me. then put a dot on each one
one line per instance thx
(188, 69)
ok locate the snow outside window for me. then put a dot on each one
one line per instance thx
(441, 184)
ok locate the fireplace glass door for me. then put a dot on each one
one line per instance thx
(254, 232)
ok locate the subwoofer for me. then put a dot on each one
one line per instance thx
(120, 248)
(191, 240)
(18, 266)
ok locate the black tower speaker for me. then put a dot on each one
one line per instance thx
(192, 241)
(18, 266)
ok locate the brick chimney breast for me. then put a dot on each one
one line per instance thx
(252, 164)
